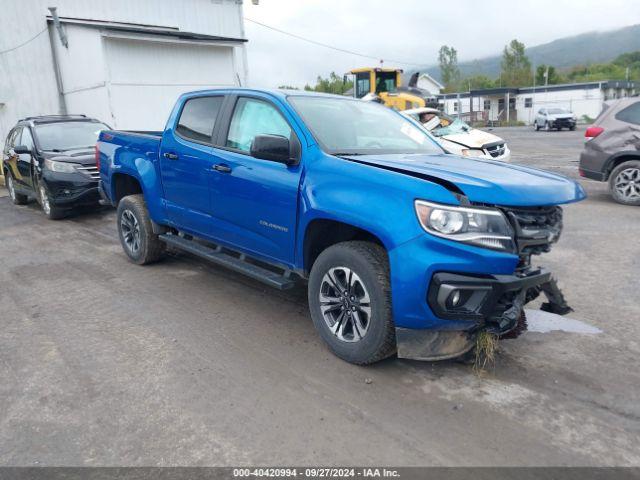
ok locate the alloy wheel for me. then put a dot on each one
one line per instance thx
(627, 183)
(12, 191)
(345, 304)
(44, 200)
(130, 231)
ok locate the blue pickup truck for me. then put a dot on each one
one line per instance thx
(404, 248)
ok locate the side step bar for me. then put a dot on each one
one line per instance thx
(216, 255)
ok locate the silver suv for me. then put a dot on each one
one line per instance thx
(557, 118)
(612, 150)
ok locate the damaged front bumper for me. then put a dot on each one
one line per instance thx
(492, 303)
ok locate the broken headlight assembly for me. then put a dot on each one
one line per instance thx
(482, 227)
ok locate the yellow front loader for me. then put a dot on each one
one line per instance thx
(386, 83)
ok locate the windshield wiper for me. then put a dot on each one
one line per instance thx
(342, 154)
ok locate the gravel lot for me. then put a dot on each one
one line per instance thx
(182, 363)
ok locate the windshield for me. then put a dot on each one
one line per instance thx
(62, 136)
(354, 127)
(557, 110)
(441, 124)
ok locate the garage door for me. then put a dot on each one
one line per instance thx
(146, 77)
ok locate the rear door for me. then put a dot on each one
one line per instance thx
(186, 159)
(255, 201)
(14, 161)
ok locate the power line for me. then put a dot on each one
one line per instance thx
(23, 44)
(344, 50)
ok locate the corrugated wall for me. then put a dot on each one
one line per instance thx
(27, 79)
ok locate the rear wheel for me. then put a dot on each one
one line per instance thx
(350, 301)
(16, 198)
(141, 245)
(51, 212)
(624, 183)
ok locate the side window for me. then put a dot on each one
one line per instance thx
(631, 114)
(27, 139)
(253, 117)
(15, 137)
(198, 118)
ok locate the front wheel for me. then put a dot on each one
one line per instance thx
(547, 127)
(535, 125)
(350, 301)
(16, 198)
(141, 245)
(50, 211)
(624, 183)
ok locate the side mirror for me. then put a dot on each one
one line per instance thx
(275, 148)
(21, 149)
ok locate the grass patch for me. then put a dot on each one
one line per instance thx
(486, 348)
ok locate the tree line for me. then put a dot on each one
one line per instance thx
(516, 70)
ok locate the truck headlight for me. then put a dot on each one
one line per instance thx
(473, 152)
(483, 227)
(60, 167)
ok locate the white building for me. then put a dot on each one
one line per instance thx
(121, 61)
(430, 84)
(583, 99)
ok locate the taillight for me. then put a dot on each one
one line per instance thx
(97, 152)
(593, 132)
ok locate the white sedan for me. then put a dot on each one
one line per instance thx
(457, 137)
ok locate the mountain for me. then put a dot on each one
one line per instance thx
(591, 47)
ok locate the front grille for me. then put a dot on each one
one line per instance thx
(563, 122)
(496, 150)
(91, 171)
(536, 229)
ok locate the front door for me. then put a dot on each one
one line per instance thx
(25, 160)
(185, 164)
(255, 200)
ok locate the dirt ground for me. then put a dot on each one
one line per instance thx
(182, 363)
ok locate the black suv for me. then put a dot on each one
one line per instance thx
(52, 159)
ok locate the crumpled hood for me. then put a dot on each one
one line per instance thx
(83, 156)
(474, 138)
(485, 181)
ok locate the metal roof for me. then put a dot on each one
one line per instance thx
(146, 29)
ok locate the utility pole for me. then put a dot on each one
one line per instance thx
(546, 76)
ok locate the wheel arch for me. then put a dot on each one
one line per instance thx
(123, 184)
(617, 158)
(321, 233)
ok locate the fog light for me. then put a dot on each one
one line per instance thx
(454, 298)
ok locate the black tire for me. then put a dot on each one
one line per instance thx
(50, 211)
(370, 264)
(572, 128)
(617, 175)
(535, 124)
(132, 213)
(16, 198)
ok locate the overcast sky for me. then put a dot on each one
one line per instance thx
(409, 30)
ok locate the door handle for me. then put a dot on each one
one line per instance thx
(171, 156)
(221, 167)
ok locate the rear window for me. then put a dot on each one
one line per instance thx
(198, 118)
(631, 114)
